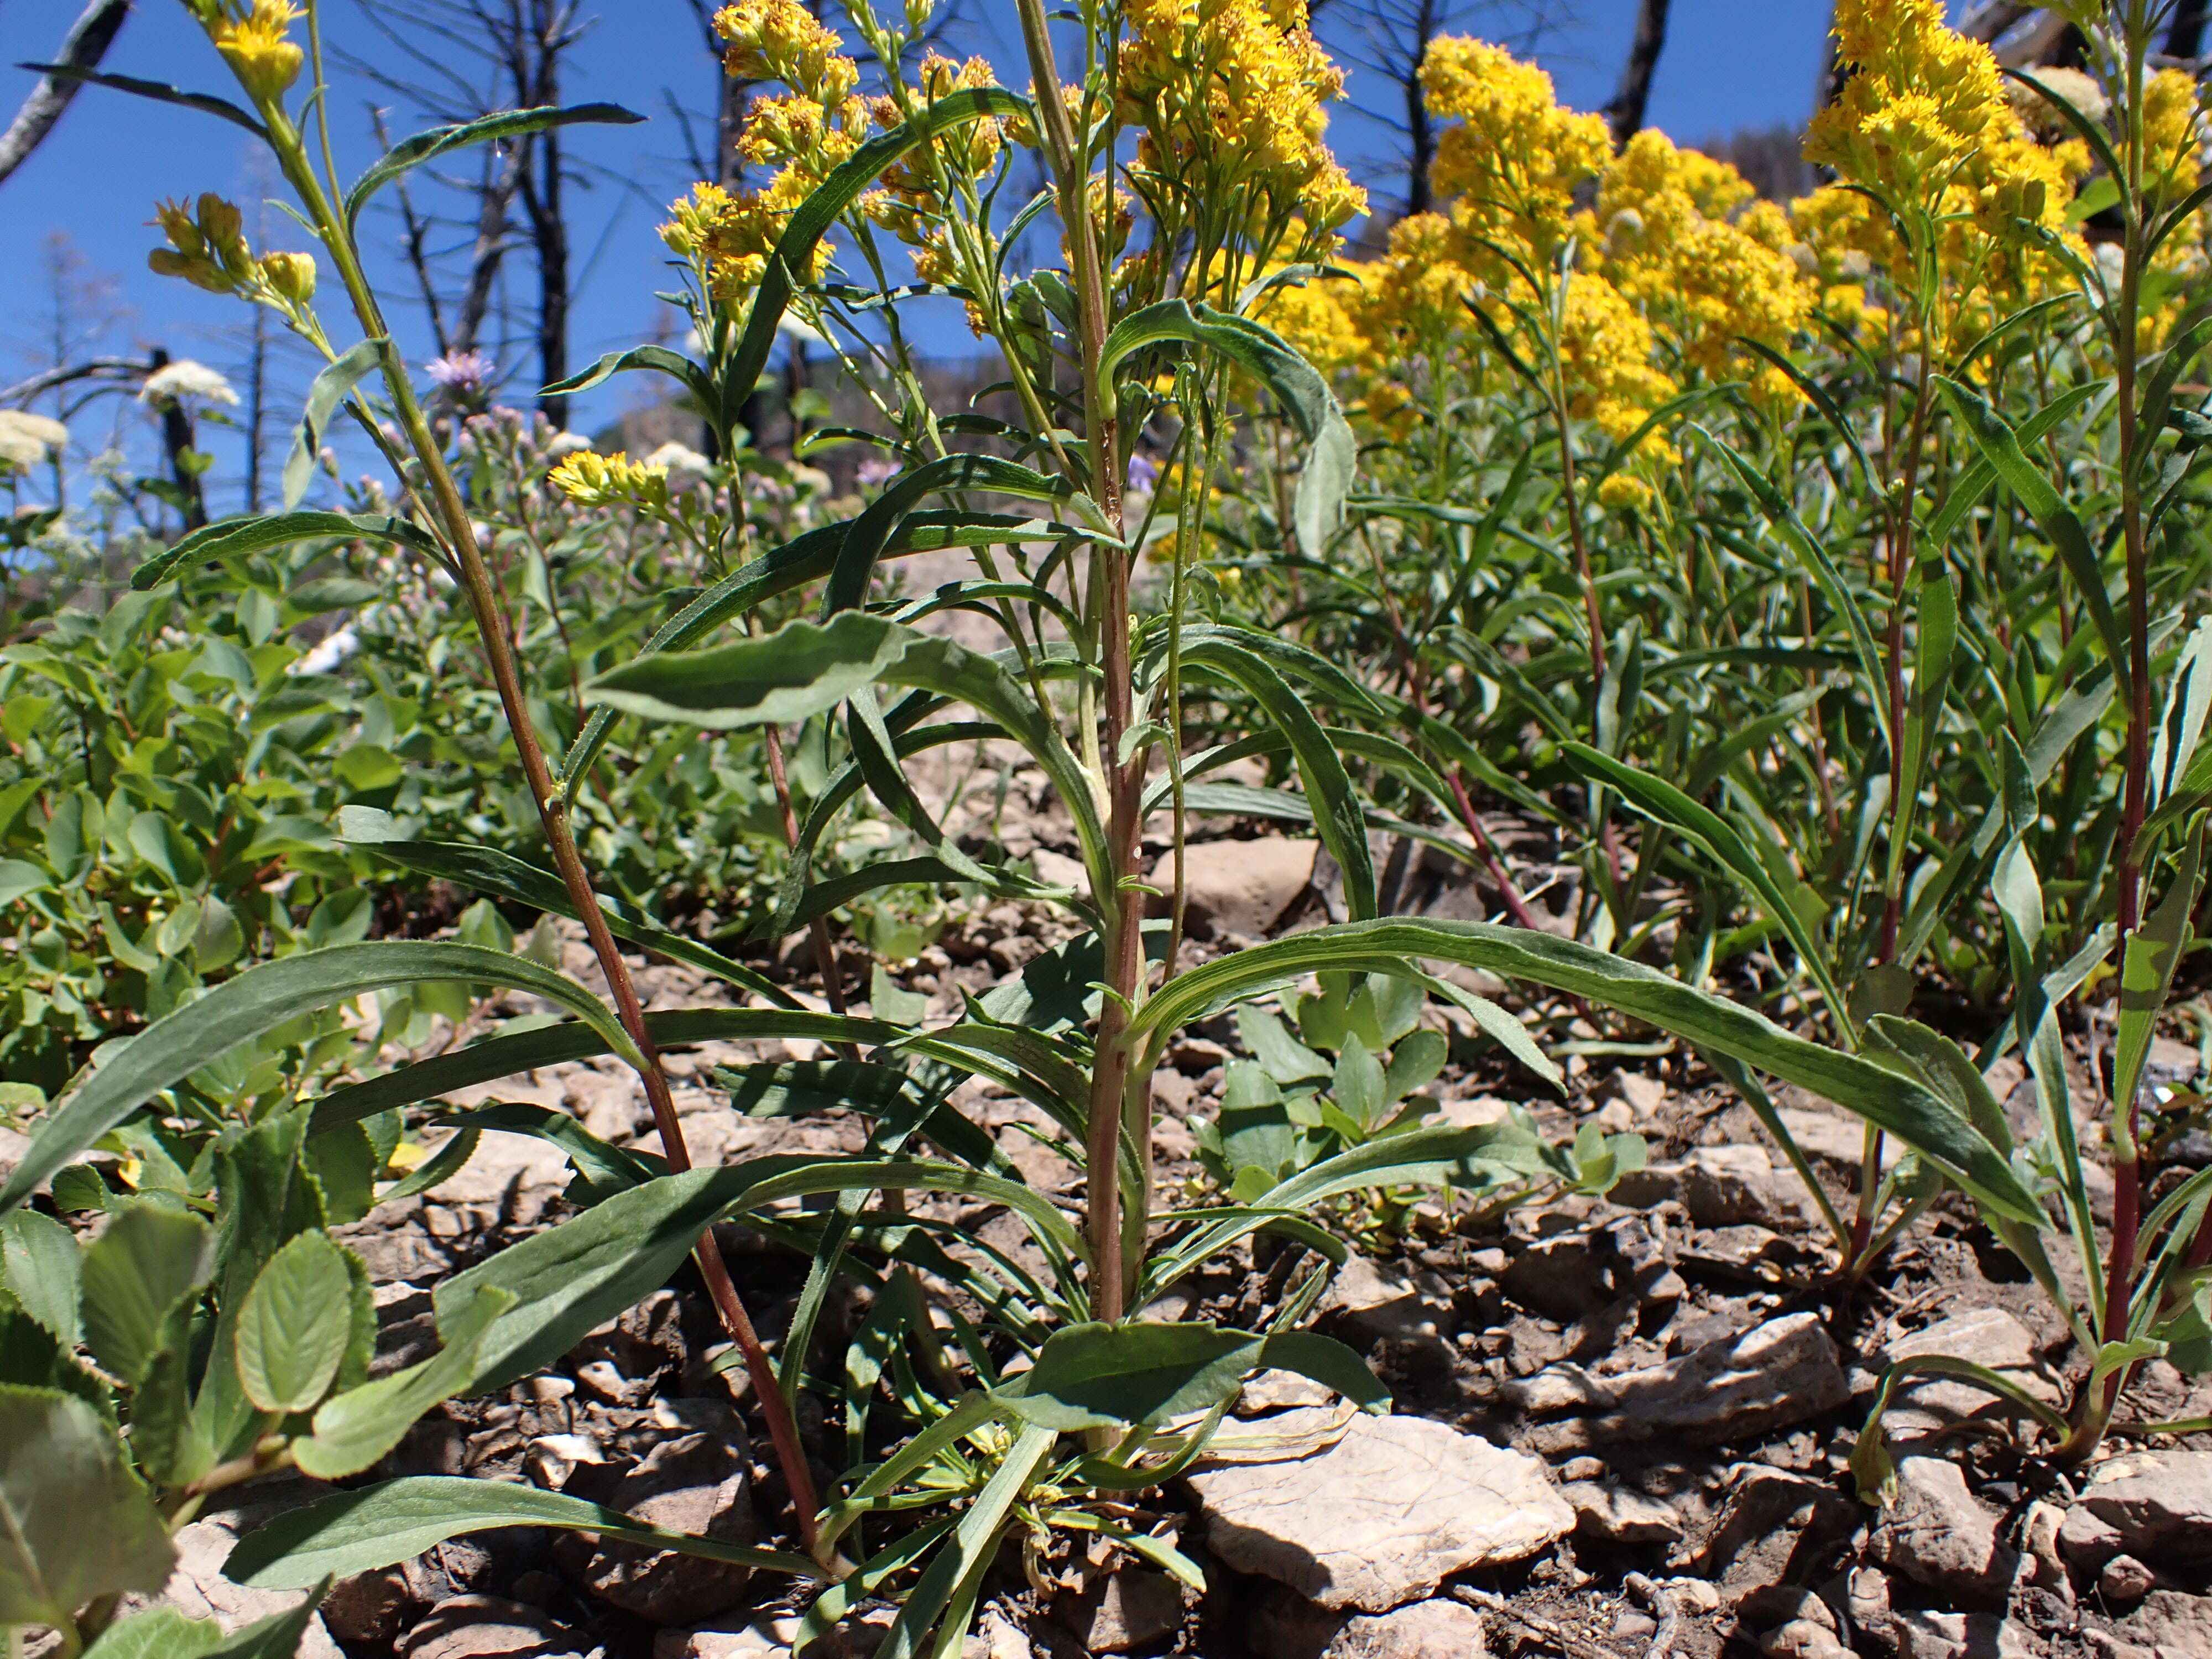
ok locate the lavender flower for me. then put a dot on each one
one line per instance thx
(877, 470)
(1144, 474)
(462, 374)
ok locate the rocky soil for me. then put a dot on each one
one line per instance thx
(1620, 1431)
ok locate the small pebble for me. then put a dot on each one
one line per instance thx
(2126, 1579)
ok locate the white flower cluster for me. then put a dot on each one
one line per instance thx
(25, 438)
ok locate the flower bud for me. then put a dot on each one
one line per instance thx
(291, 274)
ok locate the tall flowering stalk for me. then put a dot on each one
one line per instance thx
(258, 43)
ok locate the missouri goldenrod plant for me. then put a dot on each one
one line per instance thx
(1814, 575)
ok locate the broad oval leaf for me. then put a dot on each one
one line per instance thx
(292, 1331)
(75, 1523)
(149, 1259)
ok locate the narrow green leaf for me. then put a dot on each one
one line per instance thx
(1999, 446)
(331, 387)
(233, 537)
(378, 1526)
(260, 999)
(160, 91)
(1917, 1116)
(485, 128)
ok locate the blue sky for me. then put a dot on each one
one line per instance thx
(1728, 64)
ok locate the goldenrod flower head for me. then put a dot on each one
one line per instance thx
(257, 48)
(590, 479)
(1623, 492)
(1606, 348)
(1230, 93)
(781, 41)
(727, 236)
(1314, 317)
(1515, 158)
(1704, 278)
(2173, 133)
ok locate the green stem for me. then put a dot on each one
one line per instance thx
(460, 535)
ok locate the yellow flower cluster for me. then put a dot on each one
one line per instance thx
(1606, 349)
(590, 479)
(781, 41)
(1515, 158)
(209, 250)
(258, 47)
(1924, 122)
(1228, 96)
(1677, 232)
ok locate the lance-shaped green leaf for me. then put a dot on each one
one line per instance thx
(794, 249)
(805, 668)
(1999, 446)
(1337, 814)
(871, 533)
(485, 128)
(234, 538)
(1822, 569)
(550, 1045)
(1694, 822)
(1905, 1108)
(801, 670)
(806, 557)
(262, 998)
(496, 874)
(674, 364)
(1097, 1376)
(378, 1526)
(75, 1523)
(1333, 452)
(329, 388)
(2148, 962)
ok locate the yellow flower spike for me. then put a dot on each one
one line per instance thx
(590, 479)
(258, 49)
(1229, 94)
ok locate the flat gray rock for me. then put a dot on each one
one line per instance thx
(2155, 1506)
(1382, 1516)
(1437, 1629)
(1785, 1371)
(1936, 1533)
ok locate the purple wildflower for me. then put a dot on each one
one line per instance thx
(1144, 474)
(462, 373)
(877, 470)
